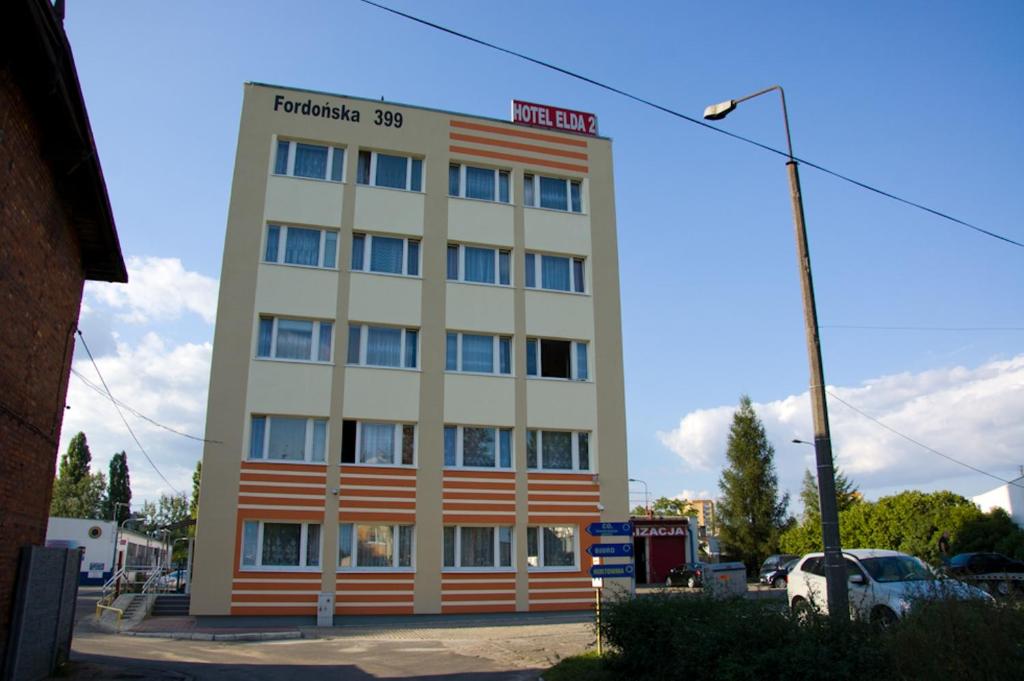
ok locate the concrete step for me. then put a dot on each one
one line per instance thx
(171, 605)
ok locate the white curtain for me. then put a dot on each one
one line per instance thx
(386, 255)
(477, 548)
(294, 339)
(377, 443)
(477, 353)
(375, 546)
(479, 183)
(384, 347)
(302, 246)
(554, 273)
(391, 171)
(310, 161)
(287, 438)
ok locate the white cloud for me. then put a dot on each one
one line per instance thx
(970, 414)
(166, 383)
(158, 289)
(689, 495)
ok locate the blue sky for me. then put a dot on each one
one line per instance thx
(920, 99)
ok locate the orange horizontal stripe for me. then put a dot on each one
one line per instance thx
(272, 514)
(377, 598)
(543, 607)
(517, 145)
(375, 517)
(360, 483)
(477, 496)
(305, 468)
(264, 610)
(513, 132)
(508, 598)
(467, 484)
(575, 498)
(479, 518)
(274, 598)
(582, 477)
(541, 487)
(370, 610)
(526, 160)
(356, 588)
(275, 489)
(497, 475)
(377, 470)
(383, 505)
(576, 511)
(270, 477)
(554, 586)
(567, 519)
(536, 578)
(359, 491)
(449, 587)
(557, 594)
(454, 609)
(244, 498)
(383, 574)
(275, 586)
(272, 576)
(493, 576)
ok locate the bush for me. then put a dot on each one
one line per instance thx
(673, 636)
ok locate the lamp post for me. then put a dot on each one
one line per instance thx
(647, 498)
(835, 568)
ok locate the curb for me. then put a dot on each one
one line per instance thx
(206, 636)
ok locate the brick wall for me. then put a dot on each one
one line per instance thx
(41, 283)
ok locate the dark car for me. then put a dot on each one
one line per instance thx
(771, 566)
(982, 563)
(687, 574)
(778, 577)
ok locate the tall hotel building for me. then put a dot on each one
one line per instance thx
(416, 397)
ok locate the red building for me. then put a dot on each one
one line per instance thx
(660, 544)
(56, 231)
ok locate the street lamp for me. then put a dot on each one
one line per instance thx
(835, 568)
(647, 498)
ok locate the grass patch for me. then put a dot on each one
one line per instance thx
(585, 667)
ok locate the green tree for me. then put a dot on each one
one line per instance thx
(77, 493)
(846, 494)
(170, 516)
(193, 506)
(992, 531)
(751, 515)
(119, 491)
(666, 506)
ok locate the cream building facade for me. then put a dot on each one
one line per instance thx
(416, 397)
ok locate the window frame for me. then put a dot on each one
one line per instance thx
(396, 533)
(310, 434)
(537, 434)
(570, 183)
(498, 172)
(403, 348)
(367, 253)
(457, 547)
(460, 448)
(290, 163)
(540, 566)
(495, 354)
(538, 270)
(303, 548)
(282, 241)
(574, 366)
(460, 276)
(315, 342)
(396, 449)
(371, 180)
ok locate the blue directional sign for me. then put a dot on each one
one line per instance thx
(610, 550)
(610, 529)
(625, 570)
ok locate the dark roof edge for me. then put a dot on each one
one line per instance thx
(426, 108)
(40, 56)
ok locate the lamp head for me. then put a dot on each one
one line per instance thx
(717, 112)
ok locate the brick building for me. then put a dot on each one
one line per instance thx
(56, 231)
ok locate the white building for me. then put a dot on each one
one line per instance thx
(1009, 497)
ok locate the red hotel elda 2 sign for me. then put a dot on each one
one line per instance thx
(553, 117)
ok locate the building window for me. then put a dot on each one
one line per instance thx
(288, 438)
(477, 547)
(274, 545)
(479, 265)
(298, 159)
(375, 546)
(382, 346)
(478, 354)
(549, 358)
(552, 192)
(379, 444)
(560, 450)
(385, 170)
(470, 182)
(385, 254)
(555, 272)
(301, 246)
(294, 339)
(477, 447)
(551, 547)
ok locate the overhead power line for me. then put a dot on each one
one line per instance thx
(921, 444)
(135, 412)
(921, 328)
(690, 119)
(119, 413)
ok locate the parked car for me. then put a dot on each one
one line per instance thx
(992, 572)
(687, 574)
(772, 564)
(777, 577)
(173, 579)
(883, 585)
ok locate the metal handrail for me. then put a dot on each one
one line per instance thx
(110, 587)
(153, 583)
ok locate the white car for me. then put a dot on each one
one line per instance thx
(883, 585)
